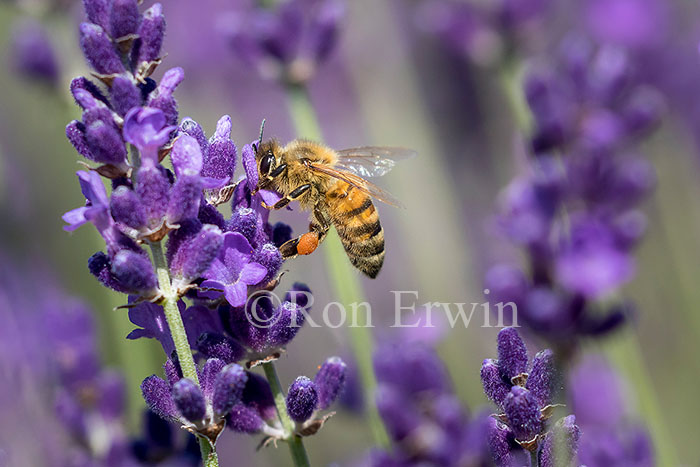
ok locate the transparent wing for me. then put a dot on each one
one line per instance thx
(356, 181)
(371, 161)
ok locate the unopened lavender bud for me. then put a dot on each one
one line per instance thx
(512, 354)
(288, 323)
(186, 156)
(271, 258)
(523, 412)
(151, 32)
(156, 393)
(207, 378)
(228, 389)
(134, 271)
(100, 266)
(75, 132)
(250, 166)
(172, 370)
(163, 99)
(86, 93)
(99, 50)
(125, 207)
(542, 379)
(124, 94)
(124, 18)
(495, 388)
(498, 438)
(196, 255)
(257, 393)
(194, 129)
(105, 143)
(217, 346)
(189, 400)
(330, 381)
(220, 159)
(185, 197)
(98, 11)
(245, 221)
(299, 293)
(561, 443)
(244, 419)
(153, 188)
(208, 214)
(302, 399)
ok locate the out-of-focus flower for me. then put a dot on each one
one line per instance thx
(483, 32)
(425, 421)
(286, 41)
(574, 209)
(629, 23)
(62, 393)
(609, 436)
(33, 54)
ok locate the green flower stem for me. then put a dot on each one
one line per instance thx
(343, 278)
(179, 335)
(296, 445)
(511, 83)
(209, 456)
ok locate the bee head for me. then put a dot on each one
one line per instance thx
(266, 156)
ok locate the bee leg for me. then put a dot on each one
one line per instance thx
(307, 243)
(296, 193)
(262, 184)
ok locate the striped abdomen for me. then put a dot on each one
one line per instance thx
(357, 222)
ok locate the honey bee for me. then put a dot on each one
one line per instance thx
(332, 186)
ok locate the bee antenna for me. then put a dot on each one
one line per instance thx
(262, 127)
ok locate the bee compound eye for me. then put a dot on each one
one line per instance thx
(266, 163)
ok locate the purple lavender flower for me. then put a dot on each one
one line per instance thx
(233, 271)
(145, 128)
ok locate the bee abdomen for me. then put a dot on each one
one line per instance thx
(362, 236)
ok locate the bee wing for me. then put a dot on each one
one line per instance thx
(356, 181)
(371, 161)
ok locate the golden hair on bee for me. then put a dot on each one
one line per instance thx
(330, 184)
